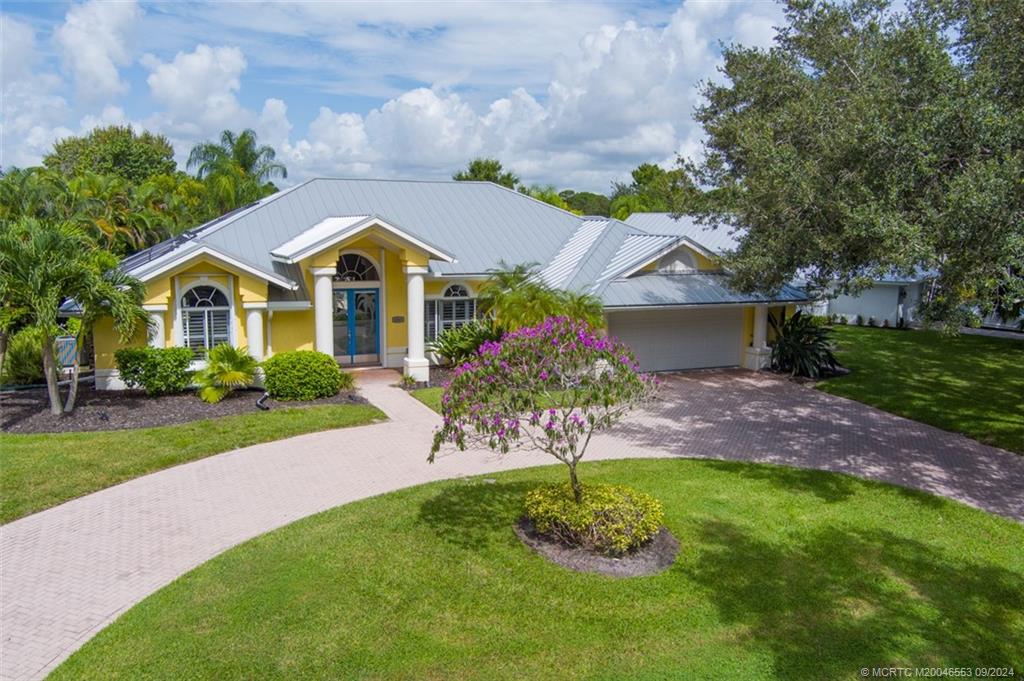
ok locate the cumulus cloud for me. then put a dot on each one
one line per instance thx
(577, 113)
(94, 42)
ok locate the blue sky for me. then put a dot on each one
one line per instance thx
(574, 94)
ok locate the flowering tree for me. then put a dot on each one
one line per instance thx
(548, 387)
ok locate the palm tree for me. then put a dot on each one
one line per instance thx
(44, 264)
(257, 162)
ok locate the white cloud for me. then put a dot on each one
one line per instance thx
(94, 41)
(18, 52)
(198, 90)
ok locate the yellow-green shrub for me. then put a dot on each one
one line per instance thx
(611, 518)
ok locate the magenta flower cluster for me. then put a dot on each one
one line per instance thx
(546, 386)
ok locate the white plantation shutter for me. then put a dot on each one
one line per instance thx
(206, 319)
(444, 314)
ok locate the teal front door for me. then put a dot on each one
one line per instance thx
(356, 325)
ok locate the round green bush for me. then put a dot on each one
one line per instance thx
(611, 519)
(304, 375)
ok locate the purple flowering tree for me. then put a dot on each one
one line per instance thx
(548, 387)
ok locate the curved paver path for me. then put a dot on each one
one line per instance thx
(68, 571)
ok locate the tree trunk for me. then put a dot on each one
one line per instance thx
(73, 390)
(577, 488)
(3, 350)
(50, 369)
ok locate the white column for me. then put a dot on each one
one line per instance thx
(157, 334)
(177, 332)
(323, 308)
(415, 363)
(757, 356)
(254, 331)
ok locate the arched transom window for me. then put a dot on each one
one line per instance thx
(355, 267)
(206, 318)
(452, 310)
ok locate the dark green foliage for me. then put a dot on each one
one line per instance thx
(870, 140)
(227, 368)
(457, 344)
(487, 170)
(23, 363)
(586, 203)
(304, 375)
(653, 190)
(158, 371)
(803, 347)
(609, 519)
(114, 150)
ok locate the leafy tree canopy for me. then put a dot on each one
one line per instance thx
(586, 203)
(548, 194)
(487, 170)
(113, 150)
(868, 141)
(653, 190)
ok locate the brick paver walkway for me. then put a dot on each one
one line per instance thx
(67, 572)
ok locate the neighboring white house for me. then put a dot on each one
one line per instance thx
(890, 299)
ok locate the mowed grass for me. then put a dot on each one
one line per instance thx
(783, 574)
(430, 397)
(968, 384)
(39, 471)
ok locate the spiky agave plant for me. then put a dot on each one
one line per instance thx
(227, 368)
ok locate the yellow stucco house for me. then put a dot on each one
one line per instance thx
(370, 271)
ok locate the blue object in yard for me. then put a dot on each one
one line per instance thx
(67, 348)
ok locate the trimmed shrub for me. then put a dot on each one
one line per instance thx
(304, 375)
(158, 371)
(610, 519)
(458, 344)
(227, 368)
(23, 363)
(802, 347)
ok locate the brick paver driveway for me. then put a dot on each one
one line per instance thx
(67, 572)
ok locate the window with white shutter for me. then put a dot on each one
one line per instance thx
(206, 319)
(455, 309)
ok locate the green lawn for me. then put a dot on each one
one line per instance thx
(430, 397)
(39, 471)
(783, 574)
(969, 384)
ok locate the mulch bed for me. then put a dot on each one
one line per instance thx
(28, 411)
(653, 558)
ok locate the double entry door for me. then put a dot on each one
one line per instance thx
(356, 325)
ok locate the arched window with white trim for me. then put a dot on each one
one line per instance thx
(355, 267)
(205, 318)
(454, 309)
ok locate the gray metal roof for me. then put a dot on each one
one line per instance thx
(480, 223)
(659, 289)
(715, 240)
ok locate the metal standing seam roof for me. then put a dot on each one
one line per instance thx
(659, 289)
(481, 224)
(560, 270)
(716, 240)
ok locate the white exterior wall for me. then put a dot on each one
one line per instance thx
(880, 301)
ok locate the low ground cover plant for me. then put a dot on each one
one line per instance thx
(158, 371)
(457, 344)
(304, 375)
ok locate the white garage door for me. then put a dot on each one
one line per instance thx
(681, 339)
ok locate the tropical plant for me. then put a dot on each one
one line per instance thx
(42, 265)
(158, 371)
(802, 347)
(516, 296)
(548, 194)
(459, 343)
(304, 375)
(227, 368)
(22, 362)
(548, 387)
(487, 170)
(238, 153)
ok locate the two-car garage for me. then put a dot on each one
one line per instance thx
(667, 339)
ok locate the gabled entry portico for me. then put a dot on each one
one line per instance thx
(362, 306)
